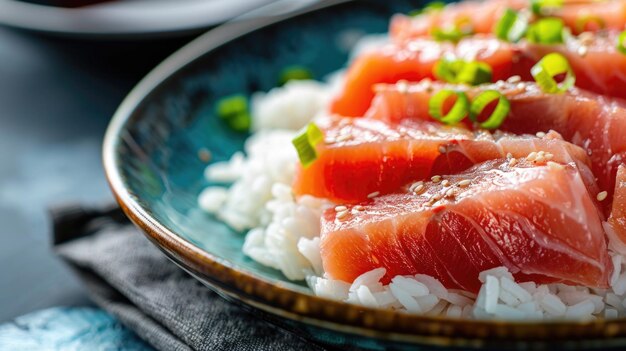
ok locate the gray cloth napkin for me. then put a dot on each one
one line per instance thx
(130, 278)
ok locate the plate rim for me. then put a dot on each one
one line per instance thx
(274, 298)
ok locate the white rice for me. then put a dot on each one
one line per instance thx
(283, 232)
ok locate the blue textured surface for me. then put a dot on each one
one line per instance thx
(68, 329)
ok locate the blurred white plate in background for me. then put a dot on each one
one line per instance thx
(125, 18)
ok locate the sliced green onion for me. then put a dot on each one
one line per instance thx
(305, 143)
(545, 7)
(430, 7)
(462, 27)
(294, 73)
(549, 67)
(234, 111)
(498, 115)
(546, 31)
(230, 106)
(583, 21)
(511, 26)
(458, 111)
(453, 34)
(621, 42)
(459, 71)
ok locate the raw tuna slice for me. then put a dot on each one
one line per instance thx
(364, 156)
(414, 61)
(482, 16)
(594, 122)
(538, 221)
(598, 66)
(618, 212)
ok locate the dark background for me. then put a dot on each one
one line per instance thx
(56, 98)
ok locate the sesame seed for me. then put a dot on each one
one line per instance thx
(540, 134)
(342, 214)
(512, 162)
(548, 156)
(500, 84)
(402, 86)
(415, 185)
(509, 155)
(464, 183)
(514, 79)
(344, 137)
(582, 51)
(419, 189)
(373, 195)
(436, 197)
(204, 155)
(521, 86)
(531, 156)
(602, 196)
(540, 159)
(555, 166)
(445, 183)
(330, 140)
(340, 208)
(451, 192)
(435, 179)
(586, 38)
(442, 149)
(359, 208)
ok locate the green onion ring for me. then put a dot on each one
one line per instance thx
(550, 66)
(498, 115)
(511, 26)
(305, 143)
(581, 22)
(621, 41)
(546, 31)
(458, 111)
(539, 7)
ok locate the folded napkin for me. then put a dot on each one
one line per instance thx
(131, 279)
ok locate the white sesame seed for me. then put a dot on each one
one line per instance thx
(415, 185)
(532, 156)
(602, 196)
(402, 86)
(419, 189)
(540, 134)
(344, 137)
(548, 156)
(582, 51)
(436, 197)
(330, 140)
(340, 208)
(442, 149)
(373, 195)
(445, 183)
(359, 208)
(586, 38)
(435, 179)
(464, 183)
(555, 166)
(521, 86)
(540, 159)
(512, 162)
(342, 214)
(514, 79)
(451, 192)
(509, 155)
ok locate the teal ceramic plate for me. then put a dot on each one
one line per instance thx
(152, 163)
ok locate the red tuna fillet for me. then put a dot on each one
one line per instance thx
(482, 17)
(594, 122)
(538, 221)
(414, 61)
(363, 156)
(600, 68)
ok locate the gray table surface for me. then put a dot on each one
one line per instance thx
(56, 98)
